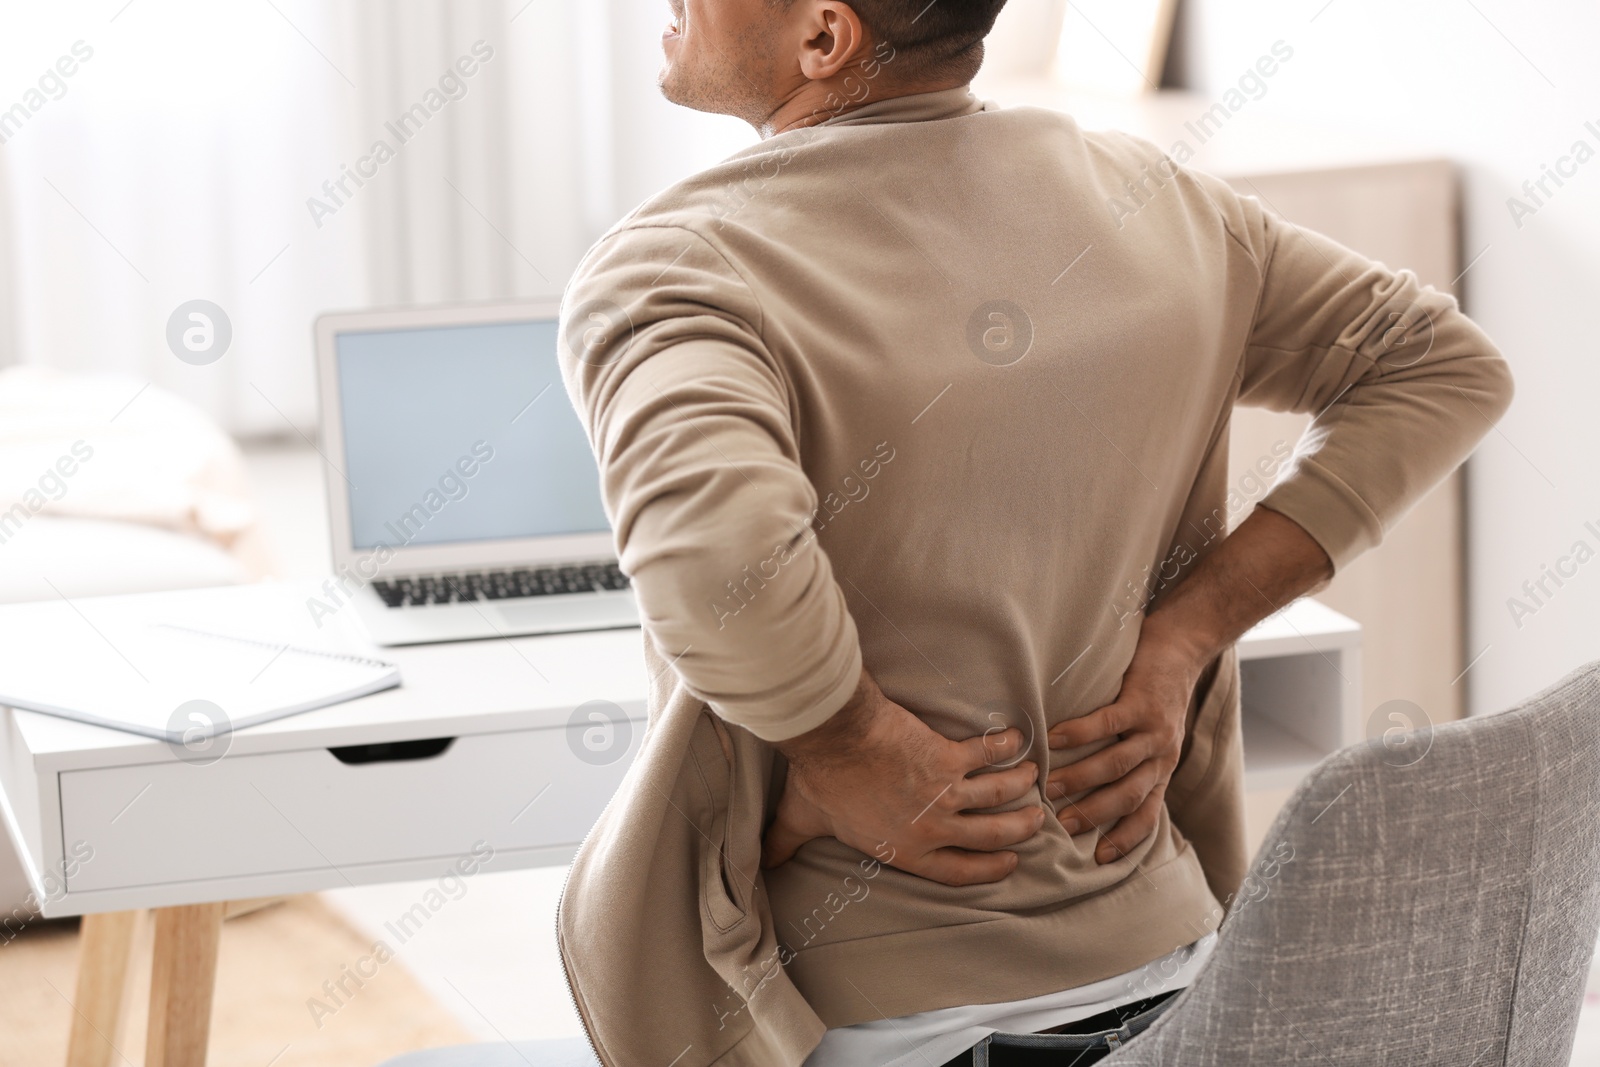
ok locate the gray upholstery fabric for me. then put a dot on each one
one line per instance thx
(1438, 910)
(568, 1052)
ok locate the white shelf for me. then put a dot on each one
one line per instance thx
(1304, 626)
(1300, 676)
(1274, 758)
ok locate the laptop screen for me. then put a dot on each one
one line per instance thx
(461, 433)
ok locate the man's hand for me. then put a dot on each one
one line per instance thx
(1257, 569)
(1147, 719)
(881, 781)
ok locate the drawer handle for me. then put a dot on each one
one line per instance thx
(392, 751)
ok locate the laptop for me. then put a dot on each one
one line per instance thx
(463, 498)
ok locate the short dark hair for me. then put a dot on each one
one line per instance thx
(932, 39)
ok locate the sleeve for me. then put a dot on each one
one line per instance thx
(1401, 385)
(691, 424)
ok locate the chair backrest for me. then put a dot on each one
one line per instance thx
(1431, 899)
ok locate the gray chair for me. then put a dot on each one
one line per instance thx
(1431, 898)
(1440, 906)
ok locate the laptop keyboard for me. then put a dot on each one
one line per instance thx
(501, 585)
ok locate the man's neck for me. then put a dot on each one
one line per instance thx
(815, 102)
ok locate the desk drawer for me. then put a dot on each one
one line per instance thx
(307, 810)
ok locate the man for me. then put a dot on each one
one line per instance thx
(916, 454)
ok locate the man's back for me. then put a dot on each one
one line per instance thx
(910, 389)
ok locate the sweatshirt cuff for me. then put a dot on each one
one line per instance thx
(1325, 506)
(822, 708)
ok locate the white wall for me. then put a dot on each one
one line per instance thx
(1502, 88)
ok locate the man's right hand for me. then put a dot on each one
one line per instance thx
(877, 778)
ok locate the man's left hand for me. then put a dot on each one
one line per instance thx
(1258, 568)
(1126, 781)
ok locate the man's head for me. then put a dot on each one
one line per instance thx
(776, 63)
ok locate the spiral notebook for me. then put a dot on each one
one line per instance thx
(147, 678)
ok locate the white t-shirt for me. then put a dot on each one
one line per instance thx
(932, 1037)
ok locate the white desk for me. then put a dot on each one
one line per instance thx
(109, 822)
(280, 813)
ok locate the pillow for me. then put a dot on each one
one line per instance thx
(103, 557)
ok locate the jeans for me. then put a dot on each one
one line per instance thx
(1074, 1045)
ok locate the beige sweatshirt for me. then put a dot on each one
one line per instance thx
(916, 389)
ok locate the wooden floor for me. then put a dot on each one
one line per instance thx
(272, 963)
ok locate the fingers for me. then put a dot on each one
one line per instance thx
(997, 788)
(1131, 829)
(1110, 764)
(1111, 802)
(1099, 724)
(990, 749)
(797, 822)
(987, 833)
(952, 866)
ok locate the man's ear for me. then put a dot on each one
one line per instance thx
(833, 38)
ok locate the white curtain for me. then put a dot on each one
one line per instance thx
(180, 160)
(173, 167)
(8, 287)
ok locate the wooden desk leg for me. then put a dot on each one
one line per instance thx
(182, 978)
(104, 944)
